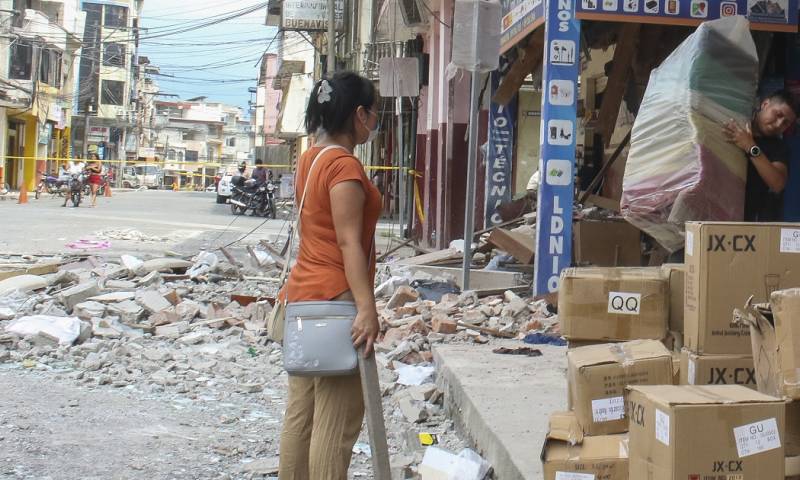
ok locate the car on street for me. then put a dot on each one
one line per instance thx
(224, 185)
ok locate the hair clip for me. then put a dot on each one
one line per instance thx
(324, 93)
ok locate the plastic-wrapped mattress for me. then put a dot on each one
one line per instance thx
(680, 167)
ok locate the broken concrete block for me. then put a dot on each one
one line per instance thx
(105, 329)
(188, 309)
(156, 354)
(394, 336)
(165, 264)
(403, 295)
(88, 310)
(474, 317)
(113, 297)
(164, 317)
(152, 301)
(172, 297)
(6, 313)
(514, 304)
(173, 329)
(443, 324)
(406, 310)
(23, 283)
(128, 311)
(77, 294)
(417, 326)
(413, 411)
(120, 284)
(152, 278)
(193, 338)
(422, 393)
(63, 278)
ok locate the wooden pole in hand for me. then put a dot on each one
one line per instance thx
(373, 406)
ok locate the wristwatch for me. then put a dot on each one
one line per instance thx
(754, 151)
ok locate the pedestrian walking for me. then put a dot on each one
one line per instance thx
(95, 170)
(336, 261)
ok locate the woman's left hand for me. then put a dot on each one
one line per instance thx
(365, 330)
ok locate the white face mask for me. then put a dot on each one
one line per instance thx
(373, 133)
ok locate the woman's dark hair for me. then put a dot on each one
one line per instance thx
(348, 92)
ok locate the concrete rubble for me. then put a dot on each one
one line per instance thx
(188, 325)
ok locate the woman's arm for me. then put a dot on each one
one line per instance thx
(347, 209)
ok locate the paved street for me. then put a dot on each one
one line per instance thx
(187, 220)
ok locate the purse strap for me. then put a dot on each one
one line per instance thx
(296, 223)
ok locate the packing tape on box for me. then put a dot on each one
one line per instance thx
(622, 353)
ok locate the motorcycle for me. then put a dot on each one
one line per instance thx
(247, 195)
(75, 189)
(49, 184)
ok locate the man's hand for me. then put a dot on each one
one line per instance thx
(740, 136)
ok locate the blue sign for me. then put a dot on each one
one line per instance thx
(557, 159)
(499, 158)
(776, 15)
(520, 17)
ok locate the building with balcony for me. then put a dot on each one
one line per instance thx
(106, 108)
(39, 51)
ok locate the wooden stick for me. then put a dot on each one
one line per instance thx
(489, 331)
(394, 249)
(374, 413)
(280, 260)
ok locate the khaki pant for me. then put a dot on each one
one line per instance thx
(323, 420)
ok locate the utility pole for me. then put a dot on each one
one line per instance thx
(331, 37)
(472, 166)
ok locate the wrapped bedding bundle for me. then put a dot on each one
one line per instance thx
(680, 166)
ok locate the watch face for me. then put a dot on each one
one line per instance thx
(755, 151)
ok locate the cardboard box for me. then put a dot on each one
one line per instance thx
(613, 304)
(676, 368)
(715, 432)
(775, 335)
(717, 370)
(597, 377)
(607, 243)
(792, 438)
(674, 273)
(568, 455)
(726, 263)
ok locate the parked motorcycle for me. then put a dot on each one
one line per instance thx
(247, 195)
(49, 184)
(75, 189)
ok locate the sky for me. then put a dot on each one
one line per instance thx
(217, 61)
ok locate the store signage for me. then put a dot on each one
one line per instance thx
(520, 17)
(309, 15)
(500, 154)
(557, 159)
(777, 15)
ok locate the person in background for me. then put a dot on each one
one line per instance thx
(63, 173)
(761, 139)
(95, 170)
(243, 169)
(259, 173)
(335, 262)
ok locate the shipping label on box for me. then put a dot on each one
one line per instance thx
(715, 432)
(610, 304)
(598, 375)
(726, 263)
(717, 369)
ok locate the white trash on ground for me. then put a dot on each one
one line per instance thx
(439, 464)
(65, 329)
(204, 262)
(413, 374)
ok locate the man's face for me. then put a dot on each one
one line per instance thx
(774, 118)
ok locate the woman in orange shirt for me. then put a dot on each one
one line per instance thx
(336, 261)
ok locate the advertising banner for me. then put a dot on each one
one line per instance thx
(499, 158)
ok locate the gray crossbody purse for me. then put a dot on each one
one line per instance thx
(317, 334)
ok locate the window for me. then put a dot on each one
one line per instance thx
(171, 154)
(191, 155)
(116, 17)
(19, 7)
(114, 55)
(231, 141)
(187, 136)
(113, 92)
(50, 67)
(21, 61)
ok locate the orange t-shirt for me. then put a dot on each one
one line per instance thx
(319, 271)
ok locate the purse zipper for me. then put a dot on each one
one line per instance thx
(321, 317)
